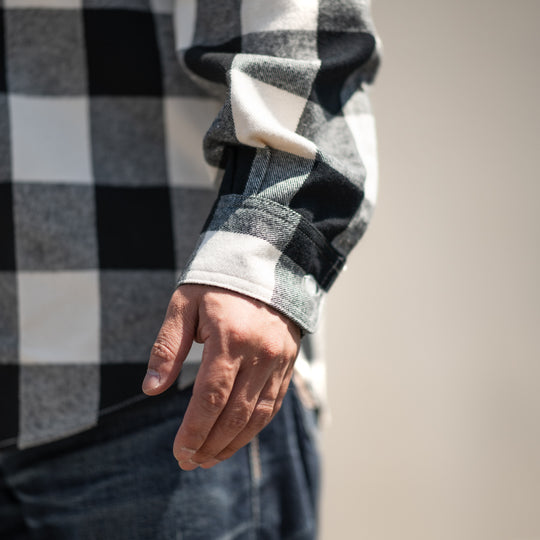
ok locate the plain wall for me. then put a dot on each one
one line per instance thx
(434, 329)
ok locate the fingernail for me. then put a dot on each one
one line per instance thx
(210, 464)
(185, 454)
(151, 380)
(188, 465)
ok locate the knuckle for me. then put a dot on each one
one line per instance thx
(162, 353)
(236, 421)
(213, 399)
(239, 334)
(263, 413)
(292, 350)
(228, 368)
(271, 349)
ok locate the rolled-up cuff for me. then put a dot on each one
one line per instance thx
(259, 248)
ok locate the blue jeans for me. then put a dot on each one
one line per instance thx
(120, 481)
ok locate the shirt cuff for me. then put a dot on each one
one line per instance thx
(264, 250)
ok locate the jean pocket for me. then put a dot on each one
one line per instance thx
(307, 410)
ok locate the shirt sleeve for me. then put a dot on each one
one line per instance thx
(294, 141)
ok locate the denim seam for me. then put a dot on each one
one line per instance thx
(256, 475)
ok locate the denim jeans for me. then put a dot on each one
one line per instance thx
(120, 481)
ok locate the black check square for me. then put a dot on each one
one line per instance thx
(111, 393)
(9, 399)
(7, 229)
(46, 52)
(133, 305)
(120, 127)
(65, 217)
(134, 228)
(122, 62)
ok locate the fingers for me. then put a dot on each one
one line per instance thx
(211, 392)
(248, 357)
(267, 406)
(224, 416)
(232, 418)
(172, 344)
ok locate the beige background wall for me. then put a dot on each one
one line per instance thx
(435, 327)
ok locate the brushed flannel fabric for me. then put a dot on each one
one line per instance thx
(127, 127)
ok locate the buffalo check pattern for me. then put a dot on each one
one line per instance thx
(146, 143)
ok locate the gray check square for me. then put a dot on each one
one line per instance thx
(300, 75)
(55, 227)
(9, 325)
(5, 146)
(344, 16)
(120, 127)
(335, 139)
(140, 5)
(133, 305)
(47, 37)
(190, 208)
(57, 398)
(227, 12)
(301, 45)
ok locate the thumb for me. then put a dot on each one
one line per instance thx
(172, 344)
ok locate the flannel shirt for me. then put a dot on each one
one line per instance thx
(127, 127)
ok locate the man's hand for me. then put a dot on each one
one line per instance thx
(247, 364)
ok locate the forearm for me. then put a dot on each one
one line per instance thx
(295, 140)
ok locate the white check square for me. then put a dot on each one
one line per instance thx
(239, 262)
(72, 335)
(278, 15)
(185, 19)
(51, 139)
(265, 115)
(186, 122)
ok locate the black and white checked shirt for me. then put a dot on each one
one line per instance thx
(106, 183)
